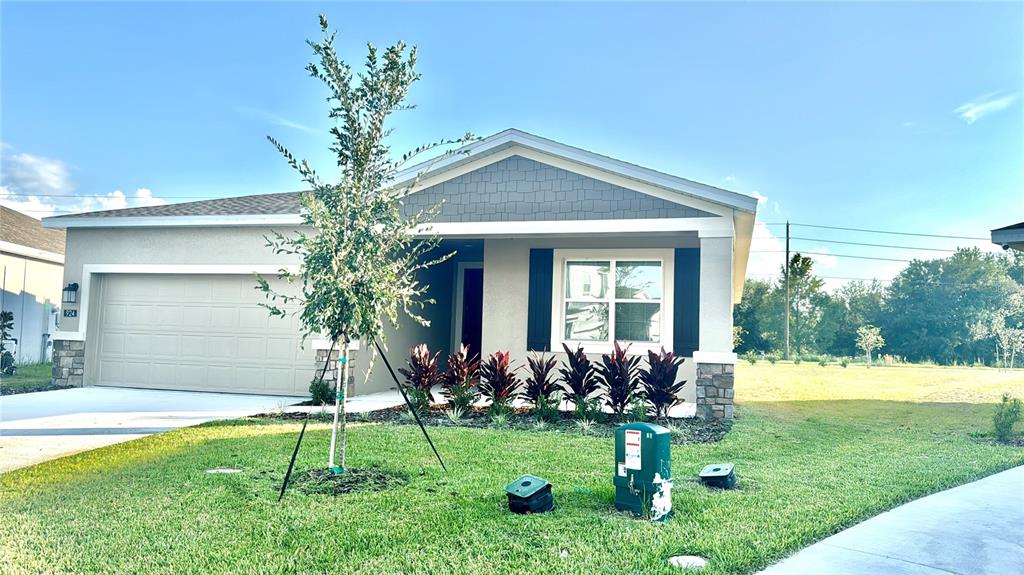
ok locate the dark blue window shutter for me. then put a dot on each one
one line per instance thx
(686, 323)
(538, 324)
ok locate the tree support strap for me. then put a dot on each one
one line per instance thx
(401, 388)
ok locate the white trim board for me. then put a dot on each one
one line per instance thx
(704, 227)
(172, 221)
(32, 253)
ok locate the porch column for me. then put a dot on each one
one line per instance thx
(715, 360)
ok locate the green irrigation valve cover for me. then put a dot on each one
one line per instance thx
(643, 470)
(529, 494)
(719, 475)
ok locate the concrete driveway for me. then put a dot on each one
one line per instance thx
(36, 427)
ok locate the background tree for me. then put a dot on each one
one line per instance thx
(359, 269)
(869, 338)
(931, 306)
(747, 316)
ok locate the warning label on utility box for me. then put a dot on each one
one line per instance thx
(633, 449)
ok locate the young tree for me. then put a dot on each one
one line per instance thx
(869, 338)
(359, 267)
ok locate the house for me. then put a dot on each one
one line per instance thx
(552, 244)
(31, 269)
(1010, 237)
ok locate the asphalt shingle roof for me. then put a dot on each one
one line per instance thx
(1019, 226)
(260, 204)
(17, 228)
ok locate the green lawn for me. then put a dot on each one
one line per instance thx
(816, 450)
(29, 378)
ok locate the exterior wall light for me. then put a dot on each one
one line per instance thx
(70, 293)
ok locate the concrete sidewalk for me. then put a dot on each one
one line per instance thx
(976, 528)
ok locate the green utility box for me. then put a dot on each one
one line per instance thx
(643, 470)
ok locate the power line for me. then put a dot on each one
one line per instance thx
(870, 231)
(874, 245)
(833, 255)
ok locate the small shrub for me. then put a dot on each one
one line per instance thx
(455, 413)
(638, 410)
(540, 384)
(772, 357)
(617, 374)
(499, 416)
(540, 425)
(823, 360)
(751, 357)
(796, 360)
(547, 407)
(1007, 415)
(498, 381)
(844, 362)
(585, 426)
(659, 381)
(462, 377)
(578, 378)
(421, 376)
(320, 391)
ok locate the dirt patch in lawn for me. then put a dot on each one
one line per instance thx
(684, 430)
(326, 482)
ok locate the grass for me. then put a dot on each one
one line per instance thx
(817, 449)
(29, 378)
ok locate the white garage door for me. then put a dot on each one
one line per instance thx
(196, 332)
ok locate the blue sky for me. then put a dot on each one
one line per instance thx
(899, 116)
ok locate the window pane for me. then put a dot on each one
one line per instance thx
(586, 280)
(586, 321)
(638, 280)
(638, 322)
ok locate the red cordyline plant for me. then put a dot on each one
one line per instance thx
(578, 377)
(540, 384)
(661, 390)
(462, 376)
(498, 381)
(422, 374)
(618, 376)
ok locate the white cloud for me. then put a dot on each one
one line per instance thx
(40, 187)
(729, 179)
(761, 198)
(766, 254)
(273, 118)
(980, 107)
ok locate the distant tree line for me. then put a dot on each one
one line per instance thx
(967, 308)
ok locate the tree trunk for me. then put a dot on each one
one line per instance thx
(340, 381)
(867, 354)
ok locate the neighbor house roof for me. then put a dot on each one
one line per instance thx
(27, 233)
(1011, 236)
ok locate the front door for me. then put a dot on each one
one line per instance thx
(472, 308)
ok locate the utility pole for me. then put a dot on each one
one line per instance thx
(785, 272)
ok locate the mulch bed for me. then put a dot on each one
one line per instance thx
(326, 482)
(5, 390)
(684, 430)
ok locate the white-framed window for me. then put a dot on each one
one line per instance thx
(601, 296)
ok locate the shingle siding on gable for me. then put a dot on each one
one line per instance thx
(520, 189)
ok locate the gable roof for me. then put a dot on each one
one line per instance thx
(259, 204)
(512, 138)
(18, 229)
(262, 208)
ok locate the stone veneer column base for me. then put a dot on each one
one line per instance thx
(715, 390)
(68, 363)
(331, 375)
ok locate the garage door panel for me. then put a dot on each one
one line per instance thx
(196, 332)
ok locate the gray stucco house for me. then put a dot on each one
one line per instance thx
(554, 244)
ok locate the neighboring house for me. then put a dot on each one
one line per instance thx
(31, 270)
(553, 244)
(1010, 237)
